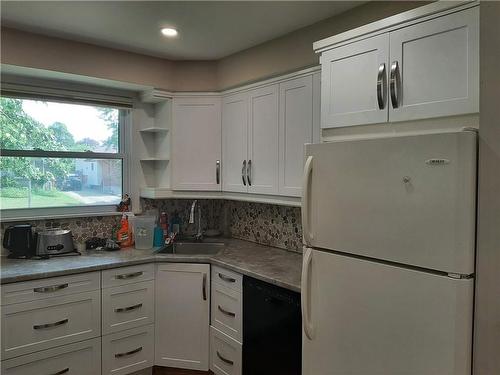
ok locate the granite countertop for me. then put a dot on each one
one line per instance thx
(270, 264)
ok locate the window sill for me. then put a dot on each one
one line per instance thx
(58, 216)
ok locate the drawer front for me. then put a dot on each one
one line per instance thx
(82, 358)
(225, 354)
(127, 306)
(127, 275)
(26, 291)
(31, 326)
(128, 351)
(227, 278)
(227, 310)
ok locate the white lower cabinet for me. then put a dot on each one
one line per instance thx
(227, 306)
(36, 325)
(81, 358)
(127, 306)
(182, 315)
(225, 354)
(128, 351)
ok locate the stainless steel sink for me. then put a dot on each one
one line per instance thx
(193, 248)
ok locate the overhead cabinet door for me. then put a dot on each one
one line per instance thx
(196, 144)
(435, 67)
(295, 129)
(349, 91)
(234, 142)
(262, 164)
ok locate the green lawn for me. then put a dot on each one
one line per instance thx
(55, 199)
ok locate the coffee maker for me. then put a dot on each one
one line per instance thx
(19, 240)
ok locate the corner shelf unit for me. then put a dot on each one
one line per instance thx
(154, 149)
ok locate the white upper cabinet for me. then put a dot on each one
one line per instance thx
(234, 142)
(412, 71)
(295, 129)
(436, 67)
(349, 88)
(196, 144)
(183, 316)
(262, 163)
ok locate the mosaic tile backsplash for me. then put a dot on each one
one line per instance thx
(267, 224)
(273, 225)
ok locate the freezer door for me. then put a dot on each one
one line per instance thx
(406, 199)
(371, 318)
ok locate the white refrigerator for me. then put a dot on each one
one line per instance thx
(389, 243)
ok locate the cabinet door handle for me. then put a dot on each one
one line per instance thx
(226, 278)
(225, 312)
(128, 275)
(249, 173)
(50, 289)
(217, 172)
(204, 287)
(119, 355)
(395, 84)
(381, 86)
(129, 308)
(64, 371)
(50, 325)
(243, 172)
(224, 359)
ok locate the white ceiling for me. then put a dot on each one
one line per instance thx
(207, 29)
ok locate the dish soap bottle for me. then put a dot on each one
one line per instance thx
(123, 236)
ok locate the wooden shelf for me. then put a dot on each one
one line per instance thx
(153, 130)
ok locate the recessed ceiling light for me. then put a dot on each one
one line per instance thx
(168, 31)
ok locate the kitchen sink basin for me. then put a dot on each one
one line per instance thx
(193, 248)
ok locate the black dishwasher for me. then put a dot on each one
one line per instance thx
(272, 331)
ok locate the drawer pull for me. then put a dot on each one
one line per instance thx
(128, 275)
(50, 289)
(225, 312)
(225, 360)
(130, 308)
(50, 325)
(227, 278)
(61, 372)
(120, 355)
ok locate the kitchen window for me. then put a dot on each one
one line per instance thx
(61, 157)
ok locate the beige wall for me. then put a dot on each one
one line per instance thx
(487, 314)
(290, 52)
(294, 51)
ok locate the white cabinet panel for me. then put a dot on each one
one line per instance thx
(225, 354)
(227, 307)
(227, 278)
(183, 316)
(438, 63)
(51, 287)
(349, 83)
(127, 306)
(128, 351)
(42, 324)
(127, 275)
(295, 129)
(82, 358)
(262, 165)
(234, 142)
(196, 143)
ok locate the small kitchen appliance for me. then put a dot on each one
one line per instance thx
(53, 242)
(19, 240)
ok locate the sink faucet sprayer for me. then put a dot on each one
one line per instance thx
(199, 233)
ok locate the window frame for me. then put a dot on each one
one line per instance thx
(124, 139)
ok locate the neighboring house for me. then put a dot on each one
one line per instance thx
(99, 174)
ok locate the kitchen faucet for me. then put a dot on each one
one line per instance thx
(199, 234)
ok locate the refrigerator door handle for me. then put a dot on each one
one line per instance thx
(305, 293)
(308, 236)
